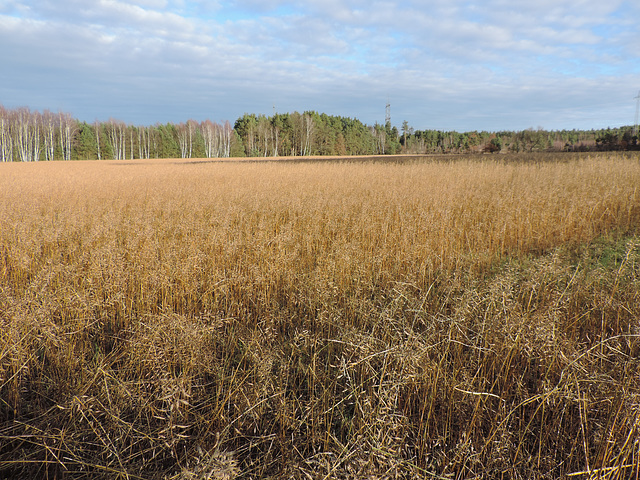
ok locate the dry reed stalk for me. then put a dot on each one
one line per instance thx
(320, 320)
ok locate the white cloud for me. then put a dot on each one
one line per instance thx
(156, 4)
(485, 62)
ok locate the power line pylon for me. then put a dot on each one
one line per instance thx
(635, 123)
(387, 115)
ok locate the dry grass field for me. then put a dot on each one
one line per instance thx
(470, 317)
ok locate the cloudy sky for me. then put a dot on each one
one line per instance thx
(443, 64)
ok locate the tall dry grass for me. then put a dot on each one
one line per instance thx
(443, 319)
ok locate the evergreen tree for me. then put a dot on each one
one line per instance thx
(86, 143)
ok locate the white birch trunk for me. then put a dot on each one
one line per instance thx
(23, 137)
(182, 139)
(49, 136)
(97, 132)
(37, 144)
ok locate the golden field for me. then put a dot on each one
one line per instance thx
(461, 317)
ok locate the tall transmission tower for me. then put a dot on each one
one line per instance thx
(635, 124)
(387, 114)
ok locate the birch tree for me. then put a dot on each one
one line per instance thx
(141, 141)
(67, 128)
(279, 127)
(131, 130)
(154, 140)
(226, 134)
(308, 129)
(210, 138)
(149, 137)
(36, 126)
(192, 130)
(6, 137)
(116, 136)
(264, 132)
(183, 139)
(49, 132)
(24, 134)
(303, 129)
(274, 135)
(144, 141)
(96, 127)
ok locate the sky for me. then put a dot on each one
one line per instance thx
(441, 64)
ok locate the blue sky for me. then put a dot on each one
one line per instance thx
(442, 64)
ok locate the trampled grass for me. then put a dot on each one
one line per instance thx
(435, 318)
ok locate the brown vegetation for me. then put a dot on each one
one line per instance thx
(441, 319)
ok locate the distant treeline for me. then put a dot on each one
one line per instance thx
(27, 135)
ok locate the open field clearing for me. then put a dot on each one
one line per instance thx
(466, 318)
